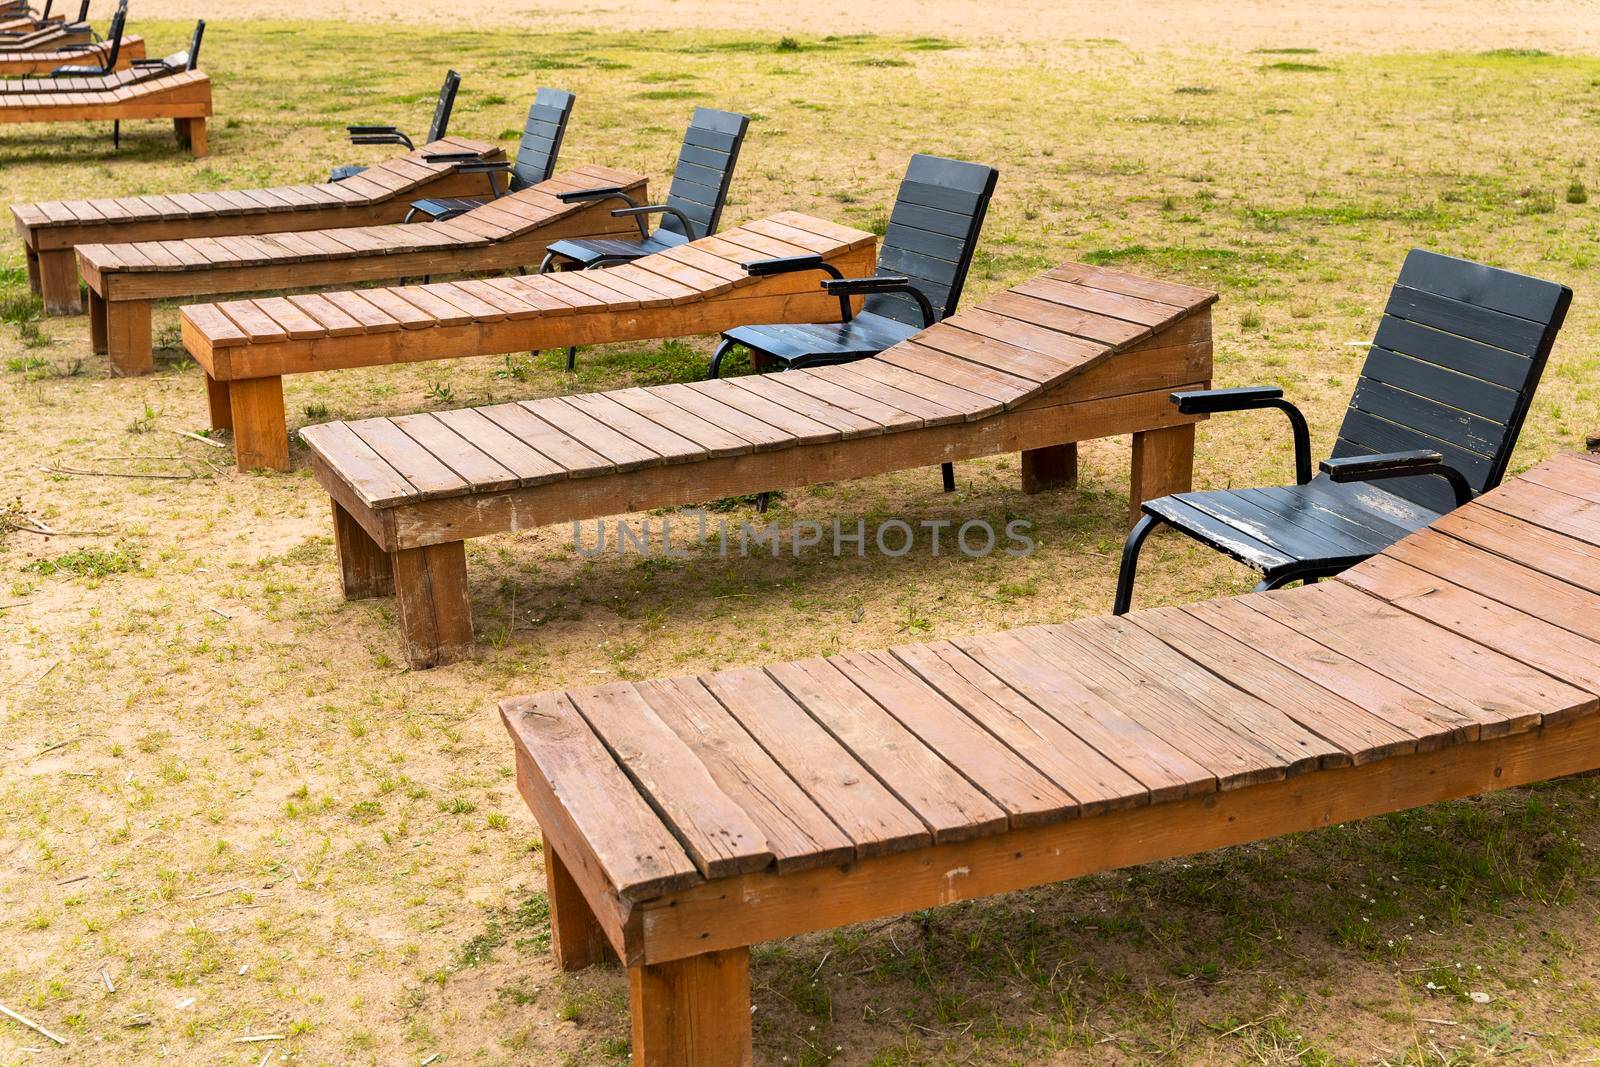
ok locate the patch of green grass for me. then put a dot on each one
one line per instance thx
(670, 94)
(1210, 266)
(87, 563)
(1284, 51)
(1295, 67)
(1516, 53)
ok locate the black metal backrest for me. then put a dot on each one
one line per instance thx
(446, 104)
(932, 233)
(541, 137)
(194, 45)
(114, 35)
(1453, 368)
(705, 169)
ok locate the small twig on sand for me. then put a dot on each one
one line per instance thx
(200, 437)
(15, 604)
(31, 1025)
(251, 1039)
(218, 611)
(74, 878)
(58, 744)
(106, 978)
(45, 675)
(218, 892)
(54, 469)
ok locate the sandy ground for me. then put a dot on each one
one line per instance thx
(1347, 26)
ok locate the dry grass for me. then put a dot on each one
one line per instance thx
(218, 784)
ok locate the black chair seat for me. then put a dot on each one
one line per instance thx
(586, 252)
(822, 343)
(445, 207)
(339, 174)
(1304, 531)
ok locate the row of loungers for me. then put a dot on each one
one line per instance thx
(99, 87)
(128, 48)
(1456, 650)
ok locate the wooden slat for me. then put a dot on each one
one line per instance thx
(639, 854)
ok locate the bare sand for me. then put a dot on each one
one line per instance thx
(1565, 26)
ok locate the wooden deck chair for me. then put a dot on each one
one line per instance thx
(1435, 416)
(150, 69)
(108, 63)
(922, 268)
(536, 158)
(693, 208)
(369, 134)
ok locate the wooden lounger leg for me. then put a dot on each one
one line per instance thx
(1055, 467)
(692, 1011)
(430, 585)
(1163, 463)
(128, 341)
(363, 565)
(32, 257)
(58, 282)
(575, 937)
(260, 437)
(219, 401)
(191, 135)
(99, 340)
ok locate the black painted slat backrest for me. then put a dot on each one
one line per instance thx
(932, 233)
(705, 170)
(442, 110)
(1453, 368)
(118, 20)
(194, 45)
(542, 137)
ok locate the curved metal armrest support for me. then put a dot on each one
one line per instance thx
(1384, 465)
(1253, 398)
(378, 135)
(640, 212)
(765, 268)
(884, 283)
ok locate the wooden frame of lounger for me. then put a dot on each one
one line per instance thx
(505, 234)
(51, 230)
(1077, 354)
(685, 820)
(183, 96)
(247, 346)
(44, 61)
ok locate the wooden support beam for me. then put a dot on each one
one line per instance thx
(99, 339)
(1055, 467)
(693, 1012)
(58, 282)
(260, 440)
(430, 585)
(1163, 463)
(129, 343)
(219, 400)
(576, 938)
(363, 566)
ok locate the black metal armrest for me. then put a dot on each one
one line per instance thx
(1384, 465)
(640, 212)
(766, 268)
(884, 283)
(452, 157)
(371, 129)
(599, 192)
(382, 138)
(484, 167)
(1253, 398)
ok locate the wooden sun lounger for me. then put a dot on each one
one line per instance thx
(183, 96)
(53, 36)
(45, 60)
(89, 85)
(246, 346)
(1079, 353)
(383, 193)
(685, 820)
(502, 235)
